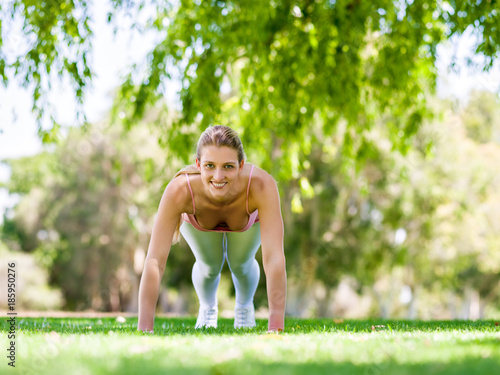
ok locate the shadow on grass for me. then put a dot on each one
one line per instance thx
(465, 366)
(49, 358)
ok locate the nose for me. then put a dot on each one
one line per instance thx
(219, 174)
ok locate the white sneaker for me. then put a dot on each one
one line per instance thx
(207, 317)
(244, 317)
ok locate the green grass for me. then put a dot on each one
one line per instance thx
(371, 347)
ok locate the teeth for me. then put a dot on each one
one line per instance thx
(218, 185)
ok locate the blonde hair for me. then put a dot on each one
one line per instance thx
(218, 135)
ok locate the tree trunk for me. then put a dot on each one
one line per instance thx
(133, 303)
(163, 299)
(492, 293)
(324, 303)
(470, 304)
(475, 306)
(464, 313)
(452, 306)
(383, 303)
(413, 307)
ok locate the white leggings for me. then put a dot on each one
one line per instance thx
(211, 249)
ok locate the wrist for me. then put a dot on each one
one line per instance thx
(276, 320)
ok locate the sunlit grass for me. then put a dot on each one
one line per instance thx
(111, 346)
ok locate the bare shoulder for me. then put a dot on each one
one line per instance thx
(263, 187)
(261, 180)
(176, 196)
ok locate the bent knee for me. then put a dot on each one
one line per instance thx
(241, 269)
(208, 270)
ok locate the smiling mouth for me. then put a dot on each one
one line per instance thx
(219, 185)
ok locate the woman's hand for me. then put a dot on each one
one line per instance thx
(169, 213)
(275, 331)
(273, 255)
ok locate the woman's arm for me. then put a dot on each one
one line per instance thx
(273, 256)
(159, 247)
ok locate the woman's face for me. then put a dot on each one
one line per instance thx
(219, 169)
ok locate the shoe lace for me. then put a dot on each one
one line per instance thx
(241, 315)
(210, 315)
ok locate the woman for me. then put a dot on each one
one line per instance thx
(224, 209)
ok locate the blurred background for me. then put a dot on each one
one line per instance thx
(380, 121)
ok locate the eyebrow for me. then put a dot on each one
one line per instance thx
(212, 162)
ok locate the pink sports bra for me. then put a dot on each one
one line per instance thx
(190, 218)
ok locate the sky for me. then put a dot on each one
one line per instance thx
(113, 54)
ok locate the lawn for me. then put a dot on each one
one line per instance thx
(110, 346)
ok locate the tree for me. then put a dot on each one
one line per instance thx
(327, 95)
(86, 212)
(422, 221)
(480, 116)
(284, 63)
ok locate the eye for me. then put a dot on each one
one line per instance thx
(229, 166)
(209, 165)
